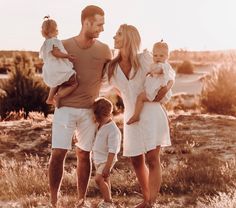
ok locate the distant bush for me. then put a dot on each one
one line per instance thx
(23, 90)
(219, 92)
(186, 68)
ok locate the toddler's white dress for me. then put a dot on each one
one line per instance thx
(154, 83)
(152, 129)
(55, 70)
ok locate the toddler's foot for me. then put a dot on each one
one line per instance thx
(143, 205)
(56, 101)
(49, 101)
(133, 119)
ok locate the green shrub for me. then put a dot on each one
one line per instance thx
(219, 92)
(23, 90)
(186, 68)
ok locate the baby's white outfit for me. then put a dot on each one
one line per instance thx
(55, 70)
(107, 140)
(154, 83)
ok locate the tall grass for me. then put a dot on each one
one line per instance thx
(219, 91)
(200, 175)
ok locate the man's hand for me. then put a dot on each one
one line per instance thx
(71, 57)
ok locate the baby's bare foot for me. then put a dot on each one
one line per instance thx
(133, 119)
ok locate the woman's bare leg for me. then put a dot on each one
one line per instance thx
(155, 175)
(142, 173)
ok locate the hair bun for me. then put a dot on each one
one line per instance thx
(46, 17)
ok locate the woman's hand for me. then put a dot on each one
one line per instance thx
(162, 92)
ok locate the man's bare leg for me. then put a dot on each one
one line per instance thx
(83, 172)
(56, 167)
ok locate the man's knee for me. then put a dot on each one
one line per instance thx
(58, 155)
(83, 156)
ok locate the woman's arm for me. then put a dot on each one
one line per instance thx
(162, 92)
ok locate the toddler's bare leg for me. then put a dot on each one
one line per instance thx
(64, 91)
(138, 107)
(51, 95)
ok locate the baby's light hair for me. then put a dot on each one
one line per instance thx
(49, 28)
(161, 45)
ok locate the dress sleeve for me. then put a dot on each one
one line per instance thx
(169, 72)
(52, 43)
(146, 60)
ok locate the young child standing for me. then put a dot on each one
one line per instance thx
(57, 69)
(105, 148)
(160, 73)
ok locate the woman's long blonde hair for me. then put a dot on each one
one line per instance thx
(132, 41)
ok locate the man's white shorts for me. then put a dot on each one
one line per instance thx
(66, 120)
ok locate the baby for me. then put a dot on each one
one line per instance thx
(160, 73)
(57, 69)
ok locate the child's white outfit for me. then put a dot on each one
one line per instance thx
(154, 83)
(107, 140)
(55, 70)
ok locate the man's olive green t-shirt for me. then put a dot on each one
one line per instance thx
(89, 66)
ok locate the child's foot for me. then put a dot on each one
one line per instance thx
(56, 100)
(104, 204)
(132, 120)
(49, 101)
(143, 204)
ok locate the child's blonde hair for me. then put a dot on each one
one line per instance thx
(49, 28)
(102, 107)
(163, 46)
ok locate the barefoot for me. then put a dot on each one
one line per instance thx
(143, 204)
(56, 100)
(132, 120)
(49, 101)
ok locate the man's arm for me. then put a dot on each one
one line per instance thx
(162, 92)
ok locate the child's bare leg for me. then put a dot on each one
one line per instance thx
(138, 107)
(104, 187)
(51, 95)
(65, 90)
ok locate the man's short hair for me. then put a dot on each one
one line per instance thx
(90, 11)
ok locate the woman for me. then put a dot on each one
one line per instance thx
(143, 139)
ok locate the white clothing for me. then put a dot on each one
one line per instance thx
(154, 83)
(100, 167)
(66, 120)
(107, 140)
(152, 129)
(55, 70)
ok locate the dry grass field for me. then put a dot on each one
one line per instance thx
(199, 169)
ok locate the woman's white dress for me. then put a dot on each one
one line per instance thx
(152, 130)
(55, 70)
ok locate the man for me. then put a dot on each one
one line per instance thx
(76, 113)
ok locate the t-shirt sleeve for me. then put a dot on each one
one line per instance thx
(114, 140)
(106, 86)
(108, 53)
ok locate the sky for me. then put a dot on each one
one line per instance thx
(183, 24)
